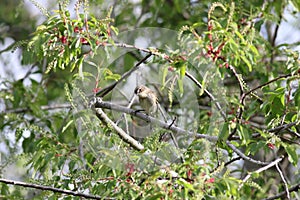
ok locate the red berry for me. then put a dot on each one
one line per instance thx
(166, 57)
(271, 146)
(63, 39)
(76, 29)
(189, 173)
(83, 41)
(171, 69)
(211, 180)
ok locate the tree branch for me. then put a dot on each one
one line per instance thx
(284, 181)
(279, 128)
(98, 103)
(275, 162)
(263, 85)
(281, 194)
(109, 88)
(240, 109)
(165, 57)
(212, 98)
(232, 160)
(284, 127)
(124, 136)
(47, 107)
(49, 188)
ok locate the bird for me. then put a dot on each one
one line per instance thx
(148, 99)
(149, 102)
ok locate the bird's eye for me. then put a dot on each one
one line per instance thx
(137, 90)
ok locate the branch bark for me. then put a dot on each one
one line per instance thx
(49, 188)
(281, 194)
(98, 103)
(125, 137)
(273, 163)
(109, 88)
(46, 107)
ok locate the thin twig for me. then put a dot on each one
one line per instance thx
(49, 188)
(237, 78)
(109, 88)
(241, 108)
(241, 154)
(108, 105)
(278, 129)
(294, 133)
(212, 98)
(275, 162)
(265, 84)
(245, 94)
(284, 181)
(284, 127)
(47, 107)
(281, 194)
(232, 160)
(273, 41)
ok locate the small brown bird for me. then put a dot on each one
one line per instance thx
(147, 98)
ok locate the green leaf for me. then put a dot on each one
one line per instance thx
(297, 98)
(296, 3)
(66, 126)
(244, 134)
(186, 184)
(224, 133)
(109, 75)
(254, 147)
(293, 156)
(277, 107)
(180, 85)
(164, 76)
(5, 189)
(240, 36)
(155, 196)
(203, 84)
(254, 50)
(233, 45)
(182, 70)
(247, 62)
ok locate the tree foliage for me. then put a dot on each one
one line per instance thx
(231, 96)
